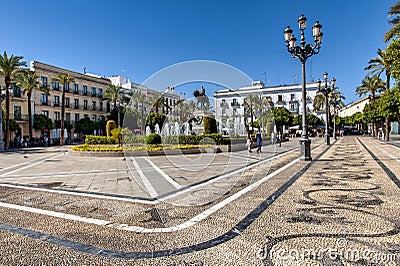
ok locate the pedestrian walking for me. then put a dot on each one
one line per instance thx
(258, 141)
(280, 138)
(249, 141)
(273, 139)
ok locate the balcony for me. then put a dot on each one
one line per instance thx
(76, 91)
(19, 117)
(93, 108)
(224, 105)
(45, 103)
(56, 104)
(67, 105)
(93, 94)
(235, 105)
(99, 95)
(84, 93)
(281, 102)
(56, 88)
(76, 106)
(84, 107)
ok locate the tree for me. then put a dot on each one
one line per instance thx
(86, 126)
(395, 30)
(41, 122)
(282, 116)
(155, 118)
(251, 104)
(114, 93)
(29, 81)
(9, 68)
(64, 80)
(319, 102)
(393, 55)
(378, 65)
(312, 120)
(388, 108)
(371, 85)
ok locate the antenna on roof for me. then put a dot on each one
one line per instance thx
(84, 69)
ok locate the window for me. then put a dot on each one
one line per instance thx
(16, 92)
(84, 90)
(100, 93)
(44, 99)
(292, 97)
(86, 116)
(101, 106)
(76, 118)
(56, 100)
(76, 89)
(45, 112)
(56, 85)
(93, 91)
(280, 98)
(57, 116)
(108, 107)
(94, 117)
(84, 104)
(68, 117)
(17, 112)
(66, 87)
(94, 106)
(76, 103)
(44, 81)
(67, 102)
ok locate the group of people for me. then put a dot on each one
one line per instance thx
(275, 138)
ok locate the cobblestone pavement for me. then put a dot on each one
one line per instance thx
(340, 209)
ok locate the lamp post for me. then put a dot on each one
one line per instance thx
(303, 52)
(326, 91)
(1, 123)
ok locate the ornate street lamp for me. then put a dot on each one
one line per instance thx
(303, 52)
(326, 91)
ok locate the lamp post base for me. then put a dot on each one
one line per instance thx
(305, 150)
(327, 140)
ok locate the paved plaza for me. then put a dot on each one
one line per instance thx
(235, 208)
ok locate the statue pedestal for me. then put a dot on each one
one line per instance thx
(198, 128)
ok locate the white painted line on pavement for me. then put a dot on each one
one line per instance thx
(27, 162)
(54, 214)
(139, 229)
(30, 165)
(161, 172)
(150, 189)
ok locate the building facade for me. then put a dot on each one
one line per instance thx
(230, 110)
(82, 97)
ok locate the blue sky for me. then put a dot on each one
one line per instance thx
(139, 38)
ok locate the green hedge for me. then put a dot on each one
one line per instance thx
(153, 138)
(196, 139)
(91, 139)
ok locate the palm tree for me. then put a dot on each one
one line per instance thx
(380, 64)
(114, 93)
(9, 67)
(319, 102)
(395, 30)
(140, 99)
(336, 101)
(29, 81)
(64, 80)
(371, 85)
(251, 103)
(377, 66)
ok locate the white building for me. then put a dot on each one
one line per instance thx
(229, 109)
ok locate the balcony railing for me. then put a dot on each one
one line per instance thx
(235, 105)
(56, 105)
(93, 108)
(76, 106)
(19, 117)
(223, 105)
(84, 107)
(56, 88)
(93, 94)
(67, 105)
(76, 91)
(84, 93)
